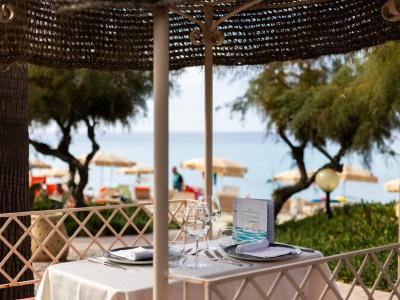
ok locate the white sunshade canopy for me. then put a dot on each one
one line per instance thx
(136, 170)
(108, 160)
(290, 176)
(55, 173)
(392, 186)
(349, 173)
(38, 164)
(221, 166)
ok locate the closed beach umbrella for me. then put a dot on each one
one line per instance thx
(54, 173)
(392, 186)
(109, 160)
(351, 173)
(38, 164)
(221, 166)
(163, 35)
(136, 170)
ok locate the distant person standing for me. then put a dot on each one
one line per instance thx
(177, 180)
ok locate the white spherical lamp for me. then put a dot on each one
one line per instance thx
(327, 180)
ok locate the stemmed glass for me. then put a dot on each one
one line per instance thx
(215, 206)
(196, 222)
(215, 210)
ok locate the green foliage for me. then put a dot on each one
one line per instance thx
(71, 96)
(355, 227)
(88, 97)
(118, 222)
(346, 103)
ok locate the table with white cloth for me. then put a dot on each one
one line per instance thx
(84, 280)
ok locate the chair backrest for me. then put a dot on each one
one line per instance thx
(183, 195)
(226, 201)
(142, 192)
(106, 191)
(231, 190)
(125, 191)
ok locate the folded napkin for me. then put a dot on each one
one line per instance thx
(249, 247)
(134, 254)
(261, 249)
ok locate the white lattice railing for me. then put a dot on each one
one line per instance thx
(366, 272)
(268, 282)
(94, 230)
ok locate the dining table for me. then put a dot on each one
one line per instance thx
(85, 280)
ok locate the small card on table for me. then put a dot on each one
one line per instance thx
(253, 219)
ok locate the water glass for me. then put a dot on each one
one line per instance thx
(227, 236)
(196, 223)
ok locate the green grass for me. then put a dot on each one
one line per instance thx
(356, 227)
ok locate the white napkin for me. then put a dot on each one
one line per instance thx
(135, 254)
(261, 249)
(250, 247)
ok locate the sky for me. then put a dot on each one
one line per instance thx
(187, 104)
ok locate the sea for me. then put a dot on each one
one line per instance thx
(264, 156)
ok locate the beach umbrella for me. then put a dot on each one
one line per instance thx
(108, 160)
(136, 170)
(38, 164)
(55, 173)
(163, 35)
(351, 173)
(290, 176)
(392, 186)
(220, 166)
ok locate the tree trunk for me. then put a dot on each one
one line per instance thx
(281, 195)
(83, 181)
(14, 168)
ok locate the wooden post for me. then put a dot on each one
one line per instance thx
(161, 168)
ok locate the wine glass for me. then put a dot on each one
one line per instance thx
(215, 206)
(215, 211)
(196, 222)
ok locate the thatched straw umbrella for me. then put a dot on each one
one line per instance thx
(163, 35)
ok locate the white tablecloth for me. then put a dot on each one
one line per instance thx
(83, 280)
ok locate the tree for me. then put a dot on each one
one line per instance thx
(14, 164)
(316, 103)
(70, 98)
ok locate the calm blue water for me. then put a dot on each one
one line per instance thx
(263, 157)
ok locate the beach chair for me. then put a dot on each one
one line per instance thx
(142, 193)
(183, 195)
(226, 197)
(125, 192)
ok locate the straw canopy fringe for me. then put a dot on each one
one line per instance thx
(104, 35)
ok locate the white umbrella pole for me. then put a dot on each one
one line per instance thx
(208, 70)
(161, 90)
